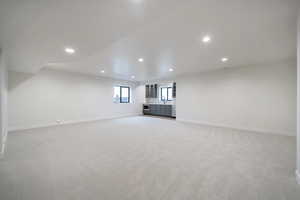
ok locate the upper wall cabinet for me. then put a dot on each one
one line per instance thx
(174, 90)
(151, 91)
(147, 90)
(155, 91)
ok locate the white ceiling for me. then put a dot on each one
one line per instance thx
(111, 35)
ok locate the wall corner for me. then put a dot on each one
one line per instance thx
(298, 99)
(298, 176)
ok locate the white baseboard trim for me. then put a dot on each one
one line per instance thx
(287, 133)
(14, 129)
(298, 176)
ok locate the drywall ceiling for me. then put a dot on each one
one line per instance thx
(112, 35)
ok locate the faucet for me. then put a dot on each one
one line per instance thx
(164, 100)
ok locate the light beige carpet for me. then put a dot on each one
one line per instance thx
(144, 158)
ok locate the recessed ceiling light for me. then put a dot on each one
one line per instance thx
(102, 71)
(141, 59)
(224, 59)
(69, 50)
(206, 39)
(170, 70)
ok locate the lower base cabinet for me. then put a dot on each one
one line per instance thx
(159, 110)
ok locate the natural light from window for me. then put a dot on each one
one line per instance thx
(121, 94)
(116, 94)
(166, 94)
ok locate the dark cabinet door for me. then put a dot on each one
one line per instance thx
(147, 91)
(152, 109)
(155, 91)
(156, 110)
(159, 107)
(160, 110)
(151, 91)
(168, 110)
(174, 90)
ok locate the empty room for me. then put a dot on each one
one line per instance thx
(150, 100)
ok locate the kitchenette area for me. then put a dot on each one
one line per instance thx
(160, 100)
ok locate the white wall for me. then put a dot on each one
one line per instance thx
(298, 103)
(3, 104)
(259, 98)
(140, 95)
(42, 99)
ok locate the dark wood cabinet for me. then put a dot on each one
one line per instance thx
(158, 110)
(174, 90)
(147, 91)
(151, 91)
(155, 91)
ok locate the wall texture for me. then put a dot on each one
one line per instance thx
(3, 104)
(298, 103)
(259, 98)
(52, 97)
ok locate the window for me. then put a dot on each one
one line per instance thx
(121, 94)
(125, 95)
(117, 94)
(170, 94)
(166, 94)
